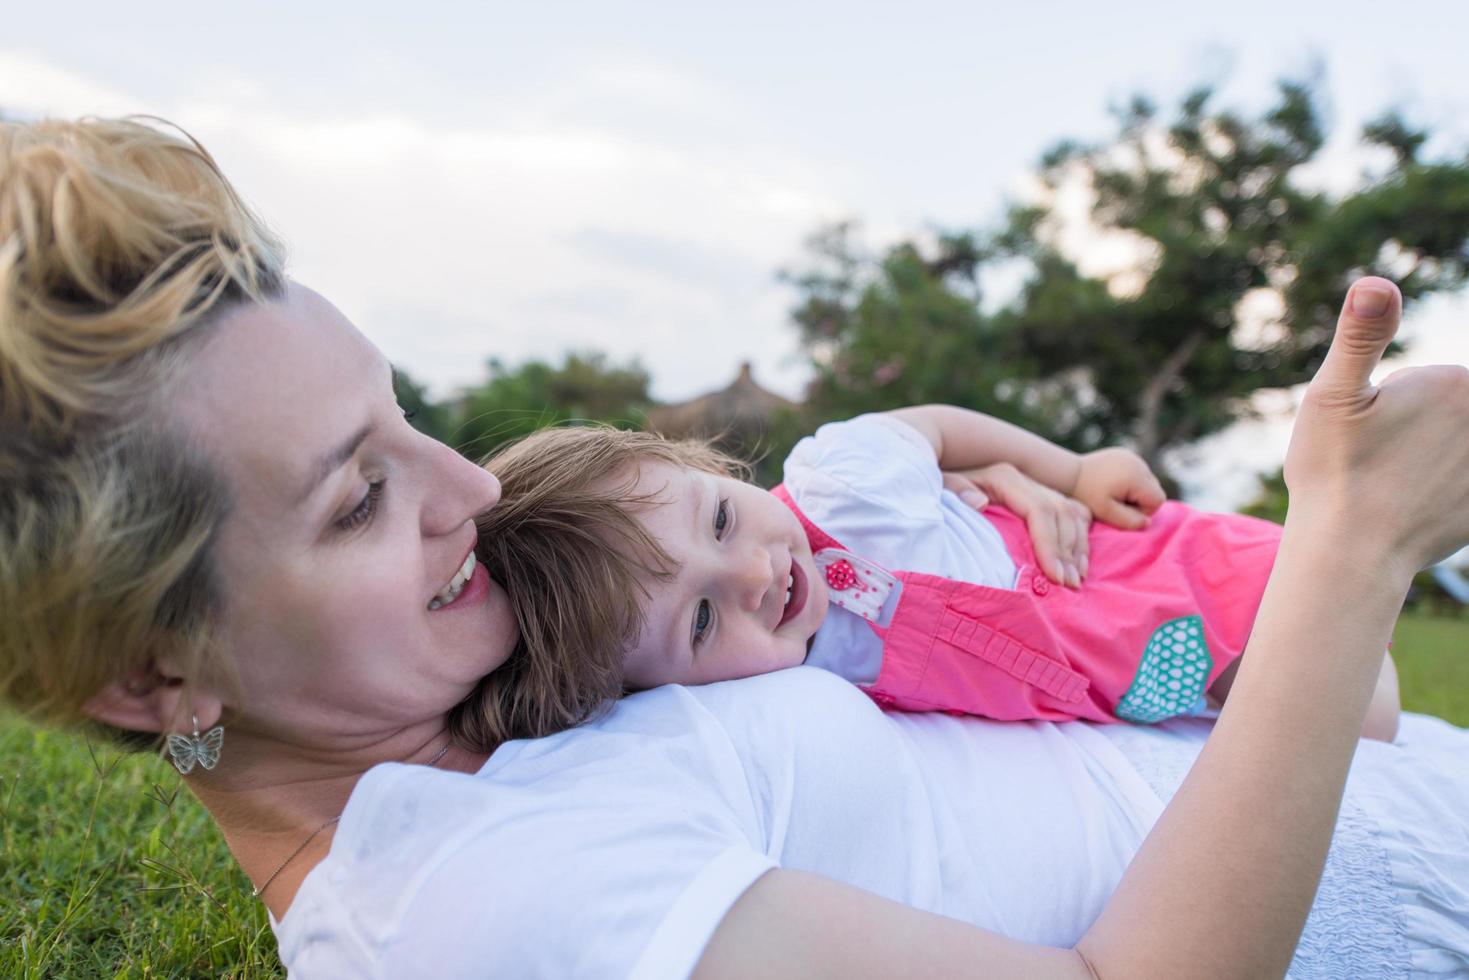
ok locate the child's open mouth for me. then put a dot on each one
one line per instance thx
(796, 593)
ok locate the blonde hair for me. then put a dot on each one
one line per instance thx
(572, 556)
(118, 243)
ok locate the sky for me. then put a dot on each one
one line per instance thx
(521, 180)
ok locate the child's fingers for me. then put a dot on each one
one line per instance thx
(1066, 531)
(1150, 496)
(1122, 515)
(1045, 538)
(966, 490)
(975, 498)
(1082, 518)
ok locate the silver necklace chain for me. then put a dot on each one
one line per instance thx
(257, 892)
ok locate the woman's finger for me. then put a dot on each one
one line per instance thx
(1335, 428)
(1368, 322)
(1386, 461)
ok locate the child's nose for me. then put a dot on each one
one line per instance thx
(752, 579)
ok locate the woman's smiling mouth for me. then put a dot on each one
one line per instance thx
(455, 586)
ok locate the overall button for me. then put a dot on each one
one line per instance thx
(1040, 585)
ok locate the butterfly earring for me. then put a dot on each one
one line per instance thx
(185, 750)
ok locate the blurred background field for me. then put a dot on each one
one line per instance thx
(109, 869)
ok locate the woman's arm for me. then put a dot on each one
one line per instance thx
(793, 924)
(1377, 488)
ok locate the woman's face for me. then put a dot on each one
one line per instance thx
(346, 526)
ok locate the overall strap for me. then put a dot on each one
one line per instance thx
(931, 611)
(854, 583)
(818, 538)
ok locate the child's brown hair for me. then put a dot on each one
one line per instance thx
(572, 556)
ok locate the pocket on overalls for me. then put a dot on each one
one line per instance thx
(1172, 675)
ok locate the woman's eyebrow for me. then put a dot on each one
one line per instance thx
(329, 462)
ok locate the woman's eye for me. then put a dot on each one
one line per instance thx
(364, 510)
(721, 518)
(703, 615)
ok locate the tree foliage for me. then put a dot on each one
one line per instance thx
(1272, 498)
(427, 416)
(901, 329)
(1213, 206)
(515, 401)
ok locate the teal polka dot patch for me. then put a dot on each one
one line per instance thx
(1171, 679)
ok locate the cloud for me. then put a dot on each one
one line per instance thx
(685, 261)
(450, 243)
(32, 87)
(623, 204)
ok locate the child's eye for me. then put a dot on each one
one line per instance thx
(721, 518)
(364, 510)
(703, 615)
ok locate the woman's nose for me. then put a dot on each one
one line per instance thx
(456, 491)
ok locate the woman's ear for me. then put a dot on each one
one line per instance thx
(149, 699)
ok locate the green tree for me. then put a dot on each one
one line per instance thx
(1271, 500)
(903, 328)
(1213, 205)
(429, 417)
(516, 401)
(1216, 200)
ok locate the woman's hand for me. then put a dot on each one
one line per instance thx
(1386, 463)
(1117, 486)
(1057, 524)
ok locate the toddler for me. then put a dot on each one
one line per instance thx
(634, 561)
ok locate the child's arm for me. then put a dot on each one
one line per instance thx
(1115, 484)
(964, 439)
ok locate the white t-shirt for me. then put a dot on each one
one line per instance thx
(615, 849)
(874, 484)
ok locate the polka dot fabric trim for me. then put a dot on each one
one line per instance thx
(1172, 676)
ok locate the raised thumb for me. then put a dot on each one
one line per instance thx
(1369, 320)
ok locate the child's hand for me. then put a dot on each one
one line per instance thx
(1118, 488)
(1057, 524)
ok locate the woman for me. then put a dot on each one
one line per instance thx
(214, 514)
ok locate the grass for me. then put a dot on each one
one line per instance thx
(109, 869)
(1432, 653)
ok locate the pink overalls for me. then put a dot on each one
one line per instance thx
(1162, 613)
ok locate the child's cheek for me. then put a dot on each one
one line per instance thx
(819, 594)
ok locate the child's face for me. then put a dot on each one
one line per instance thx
(747, 596)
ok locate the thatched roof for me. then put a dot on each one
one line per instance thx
(742, 409)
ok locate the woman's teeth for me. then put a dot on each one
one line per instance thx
(790, 588)
(451, 591)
